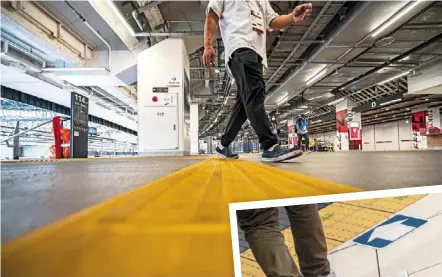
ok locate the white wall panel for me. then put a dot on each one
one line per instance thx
(387, 136)
(405, 135)
(162, 65)
(391, 136)
(368, 141)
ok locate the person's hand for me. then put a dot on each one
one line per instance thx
(302, 12)
(209, 56)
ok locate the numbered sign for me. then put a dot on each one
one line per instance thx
(79, 125)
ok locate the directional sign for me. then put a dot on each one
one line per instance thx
(389, 231)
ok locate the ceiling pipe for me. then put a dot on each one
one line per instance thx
(323, 10)
(169, 34)
(95, 32)
(135, 15)
(104, 41)
(8, 44)
(329, 39)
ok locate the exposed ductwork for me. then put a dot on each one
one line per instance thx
(320, 48)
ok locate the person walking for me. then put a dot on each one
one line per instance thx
(262, 232)
(243, 26)
(274, 126)
(302, 127)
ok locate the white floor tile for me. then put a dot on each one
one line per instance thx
(414, 251)
(355, 261)
(425, 207)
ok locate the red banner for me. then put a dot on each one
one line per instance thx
(419, 123)
(355, 133)
(341, 121)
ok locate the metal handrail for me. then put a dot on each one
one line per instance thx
(25, 131)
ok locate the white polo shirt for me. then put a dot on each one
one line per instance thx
(235, 24)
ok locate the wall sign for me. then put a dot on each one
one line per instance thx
(174, 82)
(160, 90)
(92, 131)
(79, 125)
(377, 103)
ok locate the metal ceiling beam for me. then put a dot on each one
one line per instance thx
(329, 39)
(306, 34)
(436, 38)
(169, 34)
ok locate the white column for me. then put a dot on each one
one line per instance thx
(194, 129)
(434, 121)
(163, 106)
(291, 140)
(355, 129)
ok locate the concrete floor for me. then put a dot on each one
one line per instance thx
(34, 194)
(370, 170)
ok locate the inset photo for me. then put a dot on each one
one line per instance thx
(389, 233)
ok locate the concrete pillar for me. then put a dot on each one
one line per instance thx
(16, 142)
(342, 142)
(434, 121)
(194, 129)
(434, 134)
(163, 100)
(291, 139)
(209, 145)
(419, 128)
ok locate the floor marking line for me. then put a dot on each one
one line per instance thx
(425, 268)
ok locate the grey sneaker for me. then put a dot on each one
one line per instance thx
(331, 274)
(226, 153)
(279, 154)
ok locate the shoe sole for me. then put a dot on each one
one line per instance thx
(225, 157)
(284, 157)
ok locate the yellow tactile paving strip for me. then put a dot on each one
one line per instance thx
(342, 222)
(175, 226)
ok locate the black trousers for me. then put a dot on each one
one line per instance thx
(306, 138)
(246, 67)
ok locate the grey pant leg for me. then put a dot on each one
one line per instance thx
(261, 228)
(309, 238)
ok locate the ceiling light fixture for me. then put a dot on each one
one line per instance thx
(395, 18)
(389, 102)
(69, 69)
(393, 78)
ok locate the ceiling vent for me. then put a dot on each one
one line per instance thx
(154, 16)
